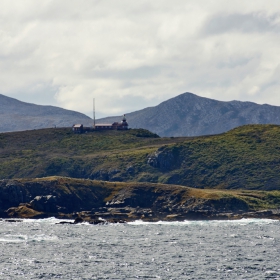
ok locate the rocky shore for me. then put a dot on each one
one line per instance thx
(124, 215)
(148, 216)
(98, 202)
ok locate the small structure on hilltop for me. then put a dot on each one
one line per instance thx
(78, 128)
(123, 125)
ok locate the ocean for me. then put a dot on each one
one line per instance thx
(42, 249)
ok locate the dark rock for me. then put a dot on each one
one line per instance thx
(163, 160)
(12, 221)
(62, 209)
(64, 222)
(78, 220)
(130, 170)
(97, 222)
(12, 193)
(44, 204)
(116, 221)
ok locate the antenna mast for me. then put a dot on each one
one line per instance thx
(93, 113)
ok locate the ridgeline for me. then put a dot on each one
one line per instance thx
(17, 116)
(191, 115)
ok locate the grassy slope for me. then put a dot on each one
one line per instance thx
(46, 152)
(246, 157)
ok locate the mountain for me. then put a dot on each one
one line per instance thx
(190, 115)
(17, 116)
(184, 115)
(246, 157)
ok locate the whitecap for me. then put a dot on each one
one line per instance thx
(241, 222)
(51, 220)
(28, 238)
(6, 240)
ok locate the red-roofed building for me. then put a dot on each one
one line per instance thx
(123, 125)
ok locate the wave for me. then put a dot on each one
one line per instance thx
(10, 238)
(51, 220)
(205, 223)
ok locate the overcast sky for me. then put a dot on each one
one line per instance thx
(133, 54)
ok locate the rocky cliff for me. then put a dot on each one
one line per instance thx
(90, 200)
(191, 115)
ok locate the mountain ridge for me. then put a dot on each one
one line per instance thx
(17, 115)
(191, 115)
(184, 115)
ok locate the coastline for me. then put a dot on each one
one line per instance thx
(96, 201)
(109, 218)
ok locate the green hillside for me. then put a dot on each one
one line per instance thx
(246, 157)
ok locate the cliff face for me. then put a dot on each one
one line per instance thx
(191, 115)
(66, 197)
(18, 116)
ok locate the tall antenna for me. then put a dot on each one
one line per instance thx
(93, 113)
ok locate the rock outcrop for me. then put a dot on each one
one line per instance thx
(47, 203)
(164, 160)
(101, 202)
(112, 175)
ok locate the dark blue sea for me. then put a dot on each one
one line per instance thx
(42, 249)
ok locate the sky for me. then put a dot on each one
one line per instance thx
(129, 55)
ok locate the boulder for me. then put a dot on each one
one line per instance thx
(44, 204)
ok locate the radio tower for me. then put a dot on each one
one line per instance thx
(93, 113)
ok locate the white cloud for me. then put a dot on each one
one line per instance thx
(130, 55)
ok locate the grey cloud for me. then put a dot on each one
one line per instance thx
(245, 23)
(233, 62)
(144, 72)
(130, 103)
(273, 81)
(131, 55)
(125, 105)
(42, 93)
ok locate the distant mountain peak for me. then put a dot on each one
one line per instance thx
(190, 115)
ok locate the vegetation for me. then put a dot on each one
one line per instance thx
(246, 157)
(243, 158)
(77, 194)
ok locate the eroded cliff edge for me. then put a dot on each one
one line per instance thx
(90, 200)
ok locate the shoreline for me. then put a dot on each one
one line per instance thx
(108, 218)
(90, 201)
